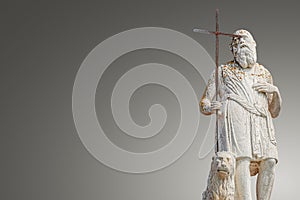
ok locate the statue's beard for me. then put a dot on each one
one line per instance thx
(246, 56)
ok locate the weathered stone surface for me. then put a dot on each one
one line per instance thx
(247, 102)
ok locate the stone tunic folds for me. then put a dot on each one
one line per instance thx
(245, 124)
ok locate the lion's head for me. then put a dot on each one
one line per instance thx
(223, 164)
(221, 177)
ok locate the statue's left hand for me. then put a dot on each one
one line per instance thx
(265, 87)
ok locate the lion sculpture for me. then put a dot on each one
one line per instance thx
(220, 184)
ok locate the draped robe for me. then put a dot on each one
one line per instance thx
(245, 125)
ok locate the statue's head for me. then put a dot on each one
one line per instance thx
(244, 48)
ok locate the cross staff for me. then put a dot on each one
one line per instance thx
(216, 33)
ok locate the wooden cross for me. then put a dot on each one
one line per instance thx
(216, 33)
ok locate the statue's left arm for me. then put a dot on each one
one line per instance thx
(272, 92)
(274, 99)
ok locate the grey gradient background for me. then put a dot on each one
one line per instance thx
(42, 46)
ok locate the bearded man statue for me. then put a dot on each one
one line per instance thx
(247, 102)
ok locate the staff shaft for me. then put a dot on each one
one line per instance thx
(217, 75)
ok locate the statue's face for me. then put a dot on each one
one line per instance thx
(244, 49)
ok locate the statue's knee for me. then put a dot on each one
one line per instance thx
(268, 164)
(242, 165)
(242, 161)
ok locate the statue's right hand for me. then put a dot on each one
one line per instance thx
(208, 107)
(215, 105)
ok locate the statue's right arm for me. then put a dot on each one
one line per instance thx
(208, 96)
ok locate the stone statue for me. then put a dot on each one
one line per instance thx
(247, 102)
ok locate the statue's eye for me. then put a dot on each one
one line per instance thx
(236, 40)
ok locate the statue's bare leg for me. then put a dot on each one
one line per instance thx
(242, 179)
(265, 179)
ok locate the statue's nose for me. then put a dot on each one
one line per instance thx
(223, 164)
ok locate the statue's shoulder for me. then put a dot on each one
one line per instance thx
(229, 65)
(221, 67)
(263, 69)
(260, 66)
(265, 72)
